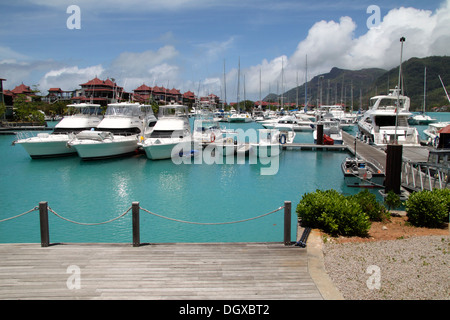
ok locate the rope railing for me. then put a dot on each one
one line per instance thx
(19, 215)
(89, 224)
(212, 223)
(135, 208)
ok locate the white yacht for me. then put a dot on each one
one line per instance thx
(240, 117)
(421, 119)
(297, 123)
(386, 121)
(80, 117)
(206, 131)
(331, 130)
(270, 142)
(432, 132)
(117, 134)
(172, 130)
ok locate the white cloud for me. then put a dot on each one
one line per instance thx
(333, 44)
(69, 78)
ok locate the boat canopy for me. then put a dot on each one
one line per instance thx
(123, 110)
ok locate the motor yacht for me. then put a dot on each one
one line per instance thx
(117, 134)
(386, 121)
(171, 135)
(80, 117)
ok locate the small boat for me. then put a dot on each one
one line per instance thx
(81, 117)
(290, 123)
(171, 135)
(421, 119)
(432, 132)
(117, 134)
(270, 142)
(332, 132)
(240, 118)
(207, 130)
(362, 173)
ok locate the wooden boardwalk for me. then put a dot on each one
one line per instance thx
(226, 271)
(364, 150)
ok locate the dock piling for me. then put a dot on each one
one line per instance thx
(393, 178)
(287, 223)
(43, 219)
(136, 221)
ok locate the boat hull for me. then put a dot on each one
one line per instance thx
(168, 150)
(51, 146)
(92, 149)
(361, 174)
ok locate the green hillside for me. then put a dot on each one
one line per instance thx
(355, 87)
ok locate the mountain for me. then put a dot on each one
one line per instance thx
(413, 81)
(341, 86)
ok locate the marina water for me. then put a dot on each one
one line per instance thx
(98, 191)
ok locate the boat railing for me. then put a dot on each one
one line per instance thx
(419, 176)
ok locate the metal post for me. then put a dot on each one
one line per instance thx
(43, 219)
(287, 223)
(393, 168)
(136, 232)
(319, 138)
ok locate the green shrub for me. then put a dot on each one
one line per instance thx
(333, 213)
(371, 206)
(444, 196)
(428, 208)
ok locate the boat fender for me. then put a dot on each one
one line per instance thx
(213, 137)
(282, 139)
(229, 140)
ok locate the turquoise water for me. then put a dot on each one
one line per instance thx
(97, 191)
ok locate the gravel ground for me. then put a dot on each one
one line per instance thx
(416, 268)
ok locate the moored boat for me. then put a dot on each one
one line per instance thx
(171, 135)
(80, 117)
(117, 134)
(362, 173)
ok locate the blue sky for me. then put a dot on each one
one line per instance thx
(184, 43)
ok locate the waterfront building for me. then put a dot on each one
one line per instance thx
(98, 91)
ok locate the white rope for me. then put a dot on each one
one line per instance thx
(89, 224)
(211, 223)
(19, 215)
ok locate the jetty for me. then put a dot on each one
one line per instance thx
(180, 271)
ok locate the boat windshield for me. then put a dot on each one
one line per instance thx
(173, 111)
(84, 109)
(123, 110)
(387, 103)
(202, 126)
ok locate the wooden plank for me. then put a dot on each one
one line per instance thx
(164, 271)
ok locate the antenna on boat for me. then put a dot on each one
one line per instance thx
(402, 40)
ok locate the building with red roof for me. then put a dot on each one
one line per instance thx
(99, 91)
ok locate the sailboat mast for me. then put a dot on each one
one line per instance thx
(306, 84)
(224, 85)
(239, 84)
(424, 89)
